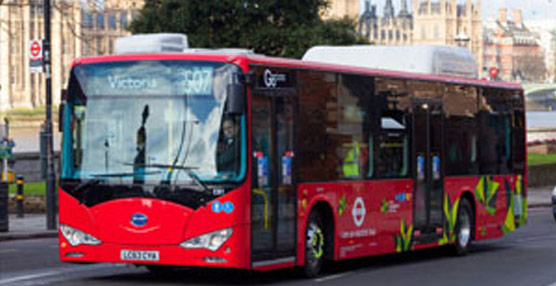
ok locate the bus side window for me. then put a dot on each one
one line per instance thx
(392, 148)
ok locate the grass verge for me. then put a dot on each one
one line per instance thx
(540, 159)
(30, 188)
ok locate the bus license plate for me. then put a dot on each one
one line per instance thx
(139, 255)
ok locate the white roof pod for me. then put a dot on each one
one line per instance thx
(436, 60)
(151, 43)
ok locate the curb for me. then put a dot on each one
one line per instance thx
(540, 205)
(28, 235)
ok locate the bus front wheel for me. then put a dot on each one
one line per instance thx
(315, 245)
(464, 228)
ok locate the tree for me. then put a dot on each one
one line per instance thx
(530, 67)
(272, 27)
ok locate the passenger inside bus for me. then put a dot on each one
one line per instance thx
(228, 147)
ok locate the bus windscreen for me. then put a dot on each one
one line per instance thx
(152, 122)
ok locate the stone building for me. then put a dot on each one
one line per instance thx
(442, 22)
(390, 29)
(341, 8)
(78, 29)
(513, 48)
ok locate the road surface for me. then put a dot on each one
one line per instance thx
(525, 257)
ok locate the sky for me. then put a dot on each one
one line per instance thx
(532, 9)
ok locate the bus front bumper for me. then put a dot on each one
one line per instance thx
(234, 253)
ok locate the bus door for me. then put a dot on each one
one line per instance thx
(273, 196)
(428, 125)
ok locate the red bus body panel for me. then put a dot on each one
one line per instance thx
(169, 225)
(388, 204)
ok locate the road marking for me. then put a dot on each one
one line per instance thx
(335, 276)
(55, 272)
(8, 250)
(27, 277)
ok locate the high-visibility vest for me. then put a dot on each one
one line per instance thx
(350, 166)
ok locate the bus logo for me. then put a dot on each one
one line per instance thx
(271, 80)
(358, 212)
(139, 219)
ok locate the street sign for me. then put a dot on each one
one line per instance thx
(35, 56)
(493, 72)
(5, 151)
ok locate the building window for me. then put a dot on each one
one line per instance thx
(86, 19)
(112, 21)
(390, 35)
(99, 50)
(123, 20)
(100, 21)
(382, 35)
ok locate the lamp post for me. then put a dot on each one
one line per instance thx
(50, 173)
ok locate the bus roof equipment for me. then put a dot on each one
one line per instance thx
(436, 60)
(151, 43)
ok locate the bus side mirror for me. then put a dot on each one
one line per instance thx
(236, 99)
(61, 109)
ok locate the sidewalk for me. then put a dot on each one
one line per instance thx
(29, 226)
(34, 225)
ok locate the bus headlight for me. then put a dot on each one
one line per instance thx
(76, 237)
(212, 240)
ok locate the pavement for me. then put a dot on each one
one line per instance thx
(34, 225)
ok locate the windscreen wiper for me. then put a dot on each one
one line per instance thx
(187, 169)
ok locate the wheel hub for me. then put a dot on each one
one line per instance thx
(315, 242)
(465, 229)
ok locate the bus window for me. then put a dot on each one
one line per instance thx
(389, 146)
(460, 109)
(391, 156)
(318, 127)
(495, 132)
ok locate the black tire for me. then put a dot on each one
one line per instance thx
(315, 245)
(465, 228)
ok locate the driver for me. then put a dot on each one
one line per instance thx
(228, 147)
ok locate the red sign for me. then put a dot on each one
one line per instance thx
(493, 72)
(35, 50)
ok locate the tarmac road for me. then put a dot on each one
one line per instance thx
(525, 257)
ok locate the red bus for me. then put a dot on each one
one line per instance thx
(213, 159)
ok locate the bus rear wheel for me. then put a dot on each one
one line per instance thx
(464, 228)
(315, 245)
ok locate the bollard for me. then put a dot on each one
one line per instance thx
(4, 223)
(19, 197)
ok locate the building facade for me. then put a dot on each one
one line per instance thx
(390, 29)
(512, 48)
(442, 22)
(78, 29)
(340, 9)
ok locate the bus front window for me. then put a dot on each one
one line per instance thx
(147, 122)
